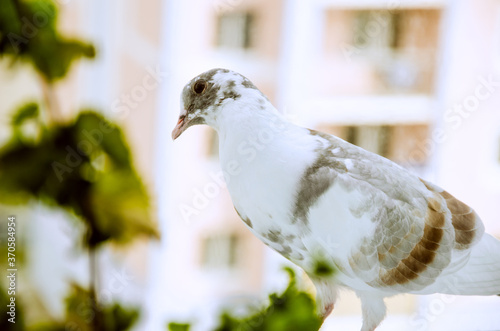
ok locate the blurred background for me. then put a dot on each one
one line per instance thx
(415, 81)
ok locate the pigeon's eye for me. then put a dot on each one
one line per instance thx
(200, 86)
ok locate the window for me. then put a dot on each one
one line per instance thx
(374, 30)
(234, 30)
(397, 47)
(213, 145)
(375, 139)
(220, 251)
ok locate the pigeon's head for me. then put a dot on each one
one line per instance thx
(205, 95)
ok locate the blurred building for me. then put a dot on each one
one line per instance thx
(385, 76)
(415, 81)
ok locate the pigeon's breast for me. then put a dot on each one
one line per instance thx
(264, 200)
(263, 181)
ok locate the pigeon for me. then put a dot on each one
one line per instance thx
(314, 197)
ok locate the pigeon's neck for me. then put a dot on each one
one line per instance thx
(249, 123)
(251, 135)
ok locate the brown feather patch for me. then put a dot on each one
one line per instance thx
(424, 252)
(465, 221)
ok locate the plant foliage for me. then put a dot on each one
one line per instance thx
(28, 32)
(83, 165)
(81, 310)
(292, 310)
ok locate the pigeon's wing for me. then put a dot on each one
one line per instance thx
(481, 273)
(419, 231)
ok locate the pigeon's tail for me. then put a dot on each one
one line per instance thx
(480, 275)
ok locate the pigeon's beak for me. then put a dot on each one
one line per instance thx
(180, 127)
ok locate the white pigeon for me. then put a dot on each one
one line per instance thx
(310, 195)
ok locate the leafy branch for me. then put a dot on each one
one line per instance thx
(82, 165)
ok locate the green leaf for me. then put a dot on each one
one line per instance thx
(28, 31)
(291, 310)
(53, 55)
(24, 113)
(121, 207)
(9, 21)
(92, 128)
(178, 327)
(322, 268)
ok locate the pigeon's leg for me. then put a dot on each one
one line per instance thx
(326, 296)
(374, 310)
(327, 310)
